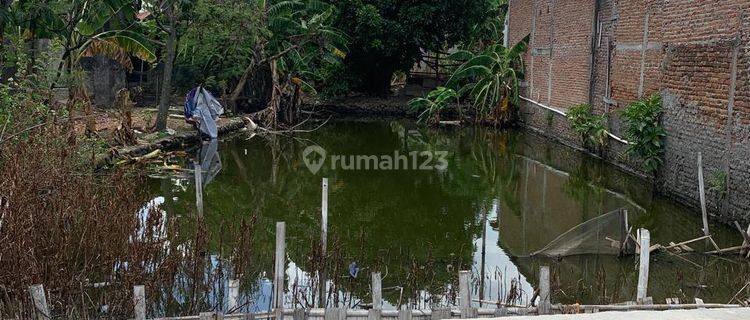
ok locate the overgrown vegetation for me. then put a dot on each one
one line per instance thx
(717, 183)
(644, 132)
(591, 127)
(391, 35)
(429, 107)
(487, 73)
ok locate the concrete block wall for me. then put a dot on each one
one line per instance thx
(695, 54)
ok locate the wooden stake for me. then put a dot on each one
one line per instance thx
(544, 290)
(198, 188)
(139, 302)
(645, 239)
(464, 295)
(377, 291)
(233, 296)
(280, 264)
(702, 193)
(323, 242)
(39, 298)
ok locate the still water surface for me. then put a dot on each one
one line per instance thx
(503, 196)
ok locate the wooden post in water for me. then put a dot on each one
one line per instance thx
(464, 295)
(279, 268)
(544, 291)
(139, 302)
(645, 239)
(323, 242)
(233, 296)
(39, 298)
(377, 291)
(702, 193)
(198, 188)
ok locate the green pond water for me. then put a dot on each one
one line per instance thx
(502, 196)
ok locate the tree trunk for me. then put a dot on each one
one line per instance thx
(166, 88)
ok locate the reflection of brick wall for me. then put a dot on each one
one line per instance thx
(686, 50)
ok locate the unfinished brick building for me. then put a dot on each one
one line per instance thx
(696, 54)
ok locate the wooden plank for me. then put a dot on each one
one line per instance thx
(39, 299)
(377, 291)
(280, 266)
(544, 291)
(233, 296)
(643, 262)
(139, 302)
(702, 193)
(198, 188)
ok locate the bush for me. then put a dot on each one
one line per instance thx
(589, 126)
(644, 131)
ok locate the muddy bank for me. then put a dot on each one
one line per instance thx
(179, 139)
(362, 106)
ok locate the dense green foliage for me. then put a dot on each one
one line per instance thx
(490, 78)
(488, 73)
(644, 132)
(591, 127)
(389, 35)
(216, 44)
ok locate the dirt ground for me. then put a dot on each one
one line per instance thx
(143, 121)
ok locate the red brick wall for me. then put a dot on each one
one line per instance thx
(687, 56)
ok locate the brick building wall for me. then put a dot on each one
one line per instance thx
(695, 54)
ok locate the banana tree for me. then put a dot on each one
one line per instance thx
(296, 39)
(489, 79)
(429, 107)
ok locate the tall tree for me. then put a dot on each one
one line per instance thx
(169, 15)
(389, 35)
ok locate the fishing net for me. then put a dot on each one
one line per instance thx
(601, 235)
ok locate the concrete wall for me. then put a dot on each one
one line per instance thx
(608, 53)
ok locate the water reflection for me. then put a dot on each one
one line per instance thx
(503, 196)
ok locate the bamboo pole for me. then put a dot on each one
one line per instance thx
(39, 298)
(643, 262)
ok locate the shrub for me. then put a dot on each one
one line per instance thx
(589, 126)
(429, 107)
(644, 131)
